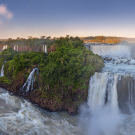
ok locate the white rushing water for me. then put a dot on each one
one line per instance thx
(19, 117)
(28, 85)
(111, 50)
(103, 104)
(16, 47)
(4, 47)
(97, 90)
(2, 70)
(45, 48)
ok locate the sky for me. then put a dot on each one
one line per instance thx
(55, 18)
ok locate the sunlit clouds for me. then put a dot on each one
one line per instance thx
(5, 12)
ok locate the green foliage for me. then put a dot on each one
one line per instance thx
(22, 61)
(70, 65)
(5, 80)
(7, 55)
(69, 42)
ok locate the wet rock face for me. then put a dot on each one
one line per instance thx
(126, 90)
(107, 59)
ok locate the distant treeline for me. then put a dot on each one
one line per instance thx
(34, 44)
(30, 43)
(107, 39)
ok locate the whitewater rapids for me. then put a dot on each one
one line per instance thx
(20, 117)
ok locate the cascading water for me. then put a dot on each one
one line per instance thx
(112, 91)
(2, 70)
(31, 79)
(104, 115)
(16, 47)
(4, 47)
(102, 88)
(111, 50)
(97, 90)
(45, 48)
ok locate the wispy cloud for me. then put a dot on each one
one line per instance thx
(5, 12)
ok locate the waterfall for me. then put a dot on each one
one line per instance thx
(97, 90)
(112, 91)
(16, 47)
(45, 48)
(102, 88)
(4, 47)
(111, 50)
(2, 70)
(31, 79)
(104, 115)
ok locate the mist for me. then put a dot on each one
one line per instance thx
(102, 121)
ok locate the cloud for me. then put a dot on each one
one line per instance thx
(4, 12)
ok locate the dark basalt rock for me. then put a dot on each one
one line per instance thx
(123, 88)
(107, 59)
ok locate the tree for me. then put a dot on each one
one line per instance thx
(42, 37)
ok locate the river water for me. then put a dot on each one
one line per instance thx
(99, 116)
(20, 117)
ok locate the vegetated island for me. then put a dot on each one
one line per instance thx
(61, 83)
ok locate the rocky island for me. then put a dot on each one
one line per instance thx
(56, 81)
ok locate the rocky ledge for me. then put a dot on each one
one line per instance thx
(49, 104)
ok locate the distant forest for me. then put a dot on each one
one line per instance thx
(29, 44)
(107, 39)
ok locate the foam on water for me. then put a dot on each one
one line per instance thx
(18, 116)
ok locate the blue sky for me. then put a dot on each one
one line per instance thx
(23, 18)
